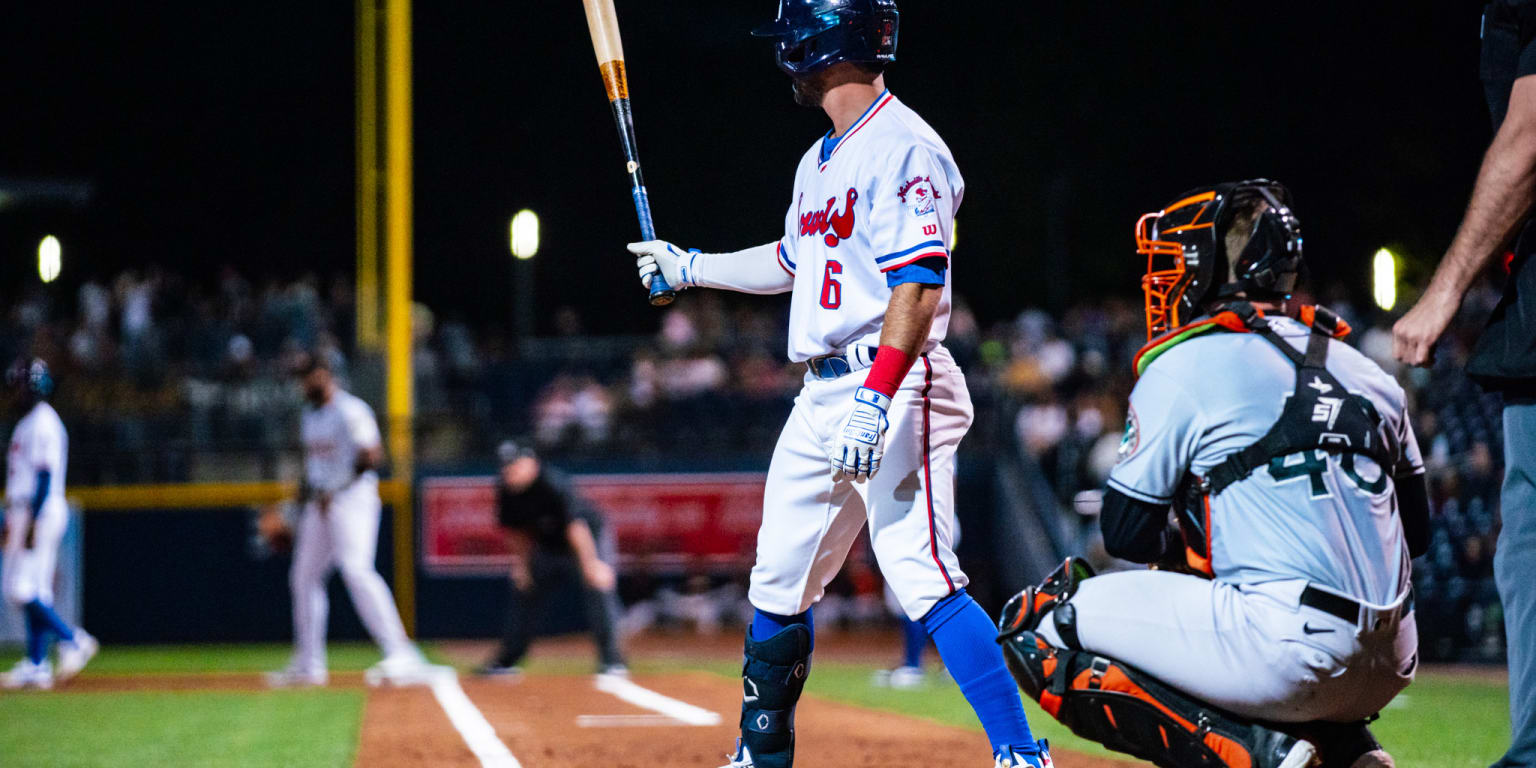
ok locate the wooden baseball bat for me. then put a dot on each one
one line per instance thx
(604, 25)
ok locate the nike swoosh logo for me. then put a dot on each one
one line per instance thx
(1307, 628)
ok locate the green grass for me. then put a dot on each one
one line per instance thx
(184, 729)
(215, 659)
(1443, 721)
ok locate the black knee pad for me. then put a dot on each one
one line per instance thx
(1027, 609)
(773, 674)
(1129, 711)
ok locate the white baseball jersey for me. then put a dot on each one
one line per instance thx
(39, 442)
(333, 435)
(885, 198)
(344, 536)
(1331, 520)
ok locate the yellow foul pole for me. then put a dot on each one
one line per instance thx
(397, 300)
(367, 285)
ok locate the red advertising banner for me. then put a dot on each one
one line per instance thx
(663, 522)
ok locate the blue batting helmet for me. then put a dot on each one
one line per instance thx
(811, 35)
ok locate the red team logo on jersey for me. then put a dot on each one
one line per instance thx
(924, 195)
(841, 224)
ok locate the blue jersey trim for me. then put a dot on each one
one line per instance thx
(784, 254)
(828, 145)
(913, 249)
(928, 271)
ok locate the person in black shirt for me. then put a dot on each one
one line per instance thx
(556, 537)
(1504, 360)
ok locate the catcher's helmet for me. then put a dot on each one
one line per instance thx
(1193, 231)
(811, 35)
(31, 376)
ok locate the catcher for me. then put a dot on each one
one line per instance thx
(1292, 471)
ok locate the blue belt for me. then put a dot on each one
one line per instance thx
(828, 367)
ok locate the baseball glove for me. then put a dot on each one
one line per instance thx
(274, 529)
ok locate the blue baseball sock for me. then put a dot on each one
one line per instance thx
(915, 640)
(766, 625)
(966, 641)
(51, 620)
(37, 637)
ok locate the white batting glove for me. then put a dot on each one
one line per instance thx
(674, 263)
(861, 443)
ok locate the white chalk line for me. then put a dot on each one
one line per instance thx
(627, 721)
(625, 689)
(471, 724)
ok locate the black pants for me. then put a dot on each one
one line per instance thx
(549, 570)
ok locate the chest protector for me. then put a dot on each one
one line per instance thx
(1320, 417)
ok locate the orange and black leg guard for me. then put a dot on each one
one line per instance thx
(1128, 711)
(1123, 708)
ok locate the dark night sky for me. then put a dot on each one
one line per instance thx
(222, 133)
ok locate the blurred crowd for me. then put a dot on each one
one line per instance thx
(166, 379)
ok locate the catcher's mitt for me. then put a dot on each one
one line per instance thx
(274, 529)
(1174, 558)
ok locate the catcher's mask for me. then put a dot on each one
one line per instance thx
(1188, 266)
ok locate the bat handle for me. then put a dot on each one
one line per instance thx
(661, 293)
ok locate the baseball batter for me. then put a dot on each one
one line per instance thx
(873, 433)
(1293, 470)
(35, 520)
(339, 528)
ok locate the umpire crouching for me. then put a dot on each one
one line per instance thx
(557, 538)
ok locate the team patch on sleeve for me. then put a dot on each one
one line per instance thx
(921, 195)
(1131, 440)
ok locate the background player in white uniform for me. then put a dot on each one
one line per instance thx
(873, 434)
(35, 520)
(1302, 609)
(339, 527)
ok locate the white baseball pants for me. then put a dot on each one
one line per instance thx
(345, 537)
(1252, 650)
(27, 575)
(810, 521)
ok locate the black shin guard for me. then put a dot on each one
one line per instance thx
(773, 673)
(1130, 711)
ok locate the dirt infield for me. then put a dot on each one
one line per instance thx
(565, 721)
(537, 718)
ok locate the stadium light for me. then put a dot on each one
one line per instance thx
(954, 234)
(50, 259)
(524, 234)
(1384, 279)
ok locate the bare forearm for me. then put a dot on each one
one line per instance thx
(1501, 200)
(909, 317)
(580, 537)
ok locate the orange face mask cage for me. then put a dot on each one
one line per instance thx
(1164, 287)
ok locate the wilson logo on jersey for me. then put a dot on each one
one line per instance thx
(924, 197)
(841, 224)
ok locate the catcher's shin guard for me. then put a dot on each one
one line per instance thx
(773, 673)
(1129, 711)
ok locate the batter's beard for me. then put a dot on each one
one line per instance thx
(809, 90)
